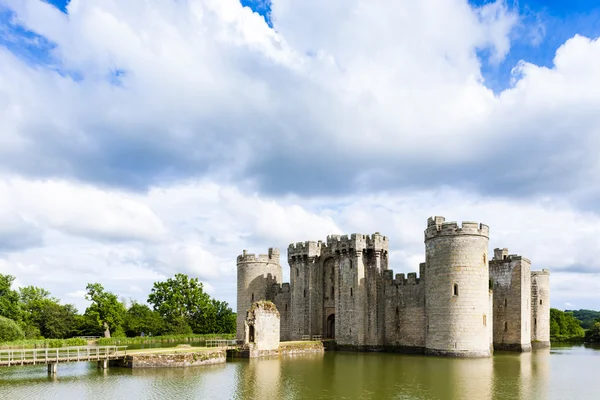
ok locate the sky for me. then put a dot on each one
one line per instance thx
(142, 139)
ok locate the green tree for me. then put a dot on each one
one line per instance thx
(10, 330)
(180, 300)
(140, 318)
(9, 299)
(58, 321)
(106, 311)
(44, 315)
(593, 334)
(587, 317)
(564, 324)
(183, 304)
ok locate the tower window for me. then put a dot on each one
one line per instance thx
(455, 289)
(286, 307)
(350, 264)
(332, 291)
(505, 302)
(350, 291)
(485, 320)
(484, 258)
(505, 326)
(541, 302)
(252, 296)
(297, 271)
(304, 292)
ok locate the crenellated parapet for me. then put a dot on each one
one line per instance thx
(271, 257)
(279, 288)
(438, 227)
(302, 250)
(501, 255)
(357, 242)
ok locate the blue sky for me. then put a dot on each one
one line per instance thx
(145, 138)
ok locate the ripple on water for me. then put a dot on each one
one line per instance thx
(538, 375)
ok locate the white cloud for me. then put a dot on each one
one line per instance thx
(80, 210)
(213, 103)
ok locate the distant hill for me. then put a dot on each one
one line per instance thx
(586, 317)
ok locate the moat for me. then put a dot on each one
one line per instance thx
(563, 372)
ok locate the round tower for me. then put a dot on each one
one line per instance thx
(256, 275)
(457, 301)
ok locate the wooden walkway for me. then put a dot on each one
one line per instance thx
(14, 357)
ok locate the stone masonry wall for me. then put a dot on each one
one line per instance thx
(540, 308)
(457, 289)
(263, 328)
(255, 278)
(343, 289)
(171, 360)
(511, 277)
(404, 312)
(282, 299)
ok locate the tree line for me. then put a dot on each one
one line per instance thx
(178, 305)
(575, 325)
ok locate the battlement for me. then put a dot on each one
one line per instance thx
(279, 288)
(437, 226)
(271, 257)
(306, 249)
(501, 256)
(357, 241)
(406, 279)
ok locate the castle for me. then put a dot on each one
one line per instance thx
(462, 304)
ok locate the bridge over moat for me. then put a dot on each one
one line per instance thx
(53, 357)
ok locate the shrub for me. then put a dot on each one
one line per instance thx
(10, 330)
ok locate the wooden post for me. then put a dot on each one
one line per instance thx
(52, 368)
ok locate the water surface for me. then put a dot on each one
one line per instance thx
(566, 372)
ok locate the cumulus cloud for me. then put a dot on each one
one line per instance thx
(162, 137)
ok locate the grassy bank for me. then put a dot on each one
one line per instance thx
(42, 343)
(164, 339)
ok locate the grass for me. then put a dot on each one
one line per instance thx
(42, 343)
(164, 339)
(173, 350)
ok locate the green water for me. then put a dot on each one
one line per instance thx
(569, 372)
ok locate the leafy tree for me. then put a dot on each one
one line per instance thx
(58, 321)
(586, 317)
(9, 299)
(179, 299)
(105, 311)
(45, 316)
(10, 330)
(140, 318)
(564, 324)
(593, 334)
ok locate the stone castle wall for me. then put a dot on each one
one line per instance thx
(342, 288)
(404, 312)
(457, 289)
(255, 278)
(540, 308)
(511, 277)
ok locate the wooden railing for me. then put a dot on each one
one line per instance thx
(12, 357)
(88, 337)
(223, 343)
